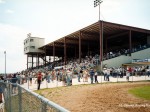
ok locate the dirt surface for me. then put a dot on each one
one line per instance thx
(99, 98)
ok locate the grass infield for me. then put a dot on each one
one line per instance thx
(142, 92)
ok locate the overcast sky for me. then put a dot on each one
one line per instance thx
(53, 19)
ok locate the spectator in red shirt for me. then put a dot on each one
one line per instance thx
(39, 79)
(130, 69)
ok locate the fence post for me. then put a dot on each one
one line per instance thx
(20, 98)
(9, 101)
(28, 79)
(5, 94)
(44, 105)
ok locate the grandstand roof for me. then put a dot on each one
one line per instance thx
(90, 34)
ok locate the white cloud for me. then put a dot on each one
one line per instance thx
(2, 1)
(9, 11)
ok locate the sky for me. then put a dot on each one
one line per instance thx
(53, 19)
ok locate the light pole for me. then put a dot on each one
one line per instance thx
(5, 63)
(97, 3)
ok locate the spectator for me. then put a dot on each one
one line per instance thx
(91, 75)
(105, 73)
(64, 78)
(39, 79)
(48, 77)
(79, 76)
(108, 74)
(19, 78)
(127, 75)
(96, 81)
(14, 86)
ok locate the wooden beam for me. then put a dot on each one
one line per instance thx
(80, 47)
(90, 33)
(54, 51)
(117, 35)
(125, 27)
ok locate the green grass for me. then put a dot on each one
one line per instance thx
(142, 92)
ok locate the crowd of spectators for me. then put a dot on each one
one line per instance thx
(84, 70)
(114, 53)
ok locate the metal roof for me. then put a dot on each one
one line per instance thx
(90, 34)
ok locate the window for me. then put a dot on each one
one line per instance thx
(31, 40)
(33, 47)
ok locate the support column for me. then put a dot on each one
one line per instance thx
(101, 42)
(65, 51)
(45, 56)
(32, 62)
(130, 42)
(80, 47)
(27, 61)
(38, 61)
(54, 51)
(106, 45)
(42, 59)
(49, 59)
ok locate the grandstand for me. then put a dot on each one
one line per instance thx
(114, 44)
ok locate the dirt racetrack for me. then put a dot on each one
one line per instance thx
(112, 97)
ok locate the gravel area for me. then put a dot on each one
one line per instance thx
(112, 97)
